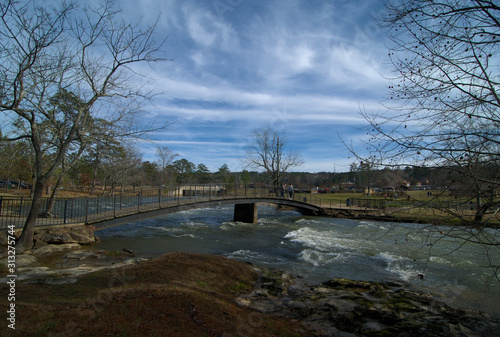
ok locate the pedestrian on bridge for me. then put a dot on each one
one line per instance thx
(290, 191)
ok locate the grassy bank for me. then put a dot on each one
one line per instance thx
(404, 209)
(174, 295)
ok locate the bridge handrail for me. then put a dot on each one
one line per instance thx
(14, 210)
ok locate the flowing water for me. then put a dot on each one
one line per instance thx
(319, 249)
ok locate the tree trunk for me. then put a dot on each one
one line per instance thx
(94, 175)
(52, 199)
(481, 212)
(25, 241)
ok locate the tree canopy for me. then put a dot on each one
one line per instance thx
(64, 70)
(443, 103)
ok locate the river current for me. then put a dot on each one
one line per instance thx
(319, 249)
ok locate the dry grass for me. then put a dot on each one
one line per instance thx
(174, 295)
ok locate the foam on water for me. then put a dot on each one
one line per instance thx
(439, 259)
(319, 239)
(404, 267)
(253, 256)
(318, 248)
(318, 258)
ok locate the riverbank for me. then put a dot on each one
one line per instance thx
(95, 293)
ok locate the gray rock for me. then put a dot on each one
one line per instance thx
(22, 260)
(56, 238)
(342, 307)
(80, 255)
(50, 249)
(82, 238)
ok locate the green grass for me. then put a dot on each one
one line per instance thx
(404, 207)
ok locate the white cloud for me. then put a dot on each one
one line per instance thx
(297, 58)
(198, 31)
(295, 65)
(353, 66)
(207, 30)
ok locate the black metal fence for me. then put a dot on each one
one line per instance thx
(15, 210)
(463, 205)
(111, 204)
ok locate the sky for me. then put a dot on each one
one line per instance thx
(302, 67)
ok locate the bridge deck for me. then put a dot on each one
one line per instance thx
(196, 204)
(104, 212)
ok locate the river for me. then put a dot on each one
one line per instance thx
(319, 249)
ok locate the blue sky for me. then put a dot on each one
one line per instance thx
(302, 67)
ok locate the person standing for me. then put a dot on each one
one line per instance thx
(290, 191)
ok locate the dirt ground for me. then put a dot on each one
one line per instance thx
(176, 294)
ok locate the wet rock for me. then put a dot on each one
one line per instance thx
(21, 260)
(34, 272)
(342, 307)
(51, 249)
(81, 255)
(25, 260)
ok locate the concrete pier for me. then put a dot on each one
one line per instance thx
(245, 213)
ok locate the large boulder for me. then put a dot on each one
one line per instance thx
(80, 234)
(83, 235)
(56, 238)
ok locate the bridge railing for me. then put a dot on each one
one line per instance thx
(14, 210)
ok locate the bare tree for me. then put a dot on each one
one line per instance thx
(267, 150)
(88, 53)
(444, 102)
(444, 105)
(166, 158)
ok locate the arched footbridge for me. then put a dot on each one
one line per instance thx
(245, 209)
(119, 208)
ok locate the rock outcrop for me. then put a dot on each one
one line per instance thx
(66, 235)
(342, 307)
(80, 234)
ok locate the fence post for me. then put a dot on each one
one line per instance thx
(114, 205)
(21, 207)
(139, 201)
(65, 211)
(86, 211)
(1, 199)
(159, 197)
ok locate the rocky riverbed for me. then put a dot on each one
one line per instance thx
(343, 307)
(60, 254)
(338, 307)
(63, 263)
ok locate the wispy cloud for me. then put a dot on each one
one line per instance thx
(305, 68)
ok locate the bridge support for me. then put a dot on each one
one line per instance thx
(245, 213)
